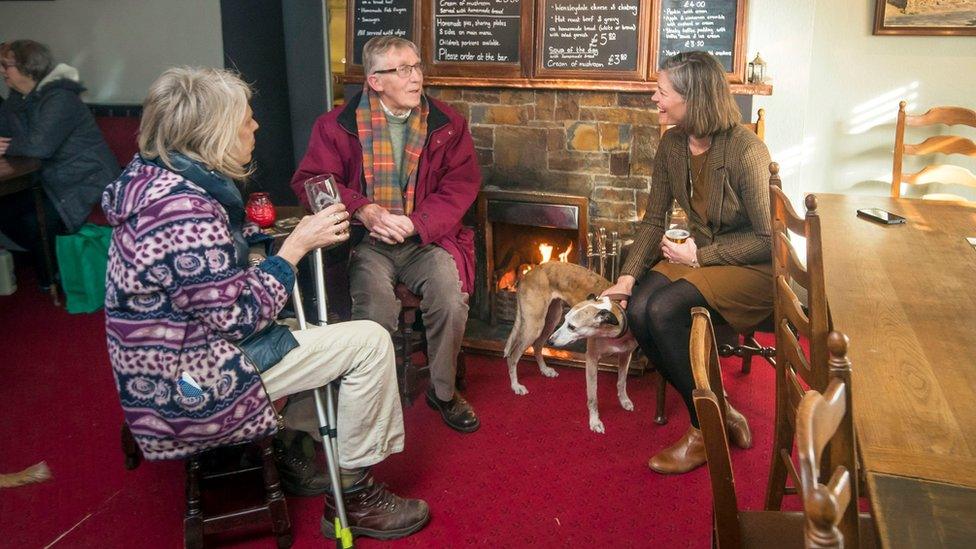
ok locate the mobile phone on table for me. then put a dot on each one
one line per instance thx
(881, 216)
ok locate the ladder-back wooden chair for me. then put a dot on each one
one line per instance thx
(832, 518)
(791, 321)
(942, 144)
(732, 527)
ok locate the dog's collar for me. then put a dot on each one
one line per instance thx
(617, 298)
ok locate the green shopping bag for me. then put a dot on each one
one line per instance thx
(82, 260)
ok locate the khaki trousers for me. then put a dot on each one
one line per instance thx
(370, 420)
(429, 271)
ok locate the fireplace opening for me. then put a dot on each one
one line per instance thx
(522, 230)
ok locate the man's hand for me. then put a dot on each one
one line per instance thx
(385, 226)
(4, 143)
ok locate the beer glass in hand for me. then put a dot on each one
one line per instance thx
(677, 225)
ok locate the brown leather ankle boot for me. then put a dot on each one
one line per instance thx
(738, 428)
(682, 456)
(375, 512)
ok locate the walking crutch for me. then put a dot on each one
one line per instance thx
(326, 412)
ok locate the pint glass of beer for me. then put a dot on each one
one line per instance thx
(678, 236)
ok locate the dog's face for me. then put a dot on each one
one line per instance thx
(591, 318)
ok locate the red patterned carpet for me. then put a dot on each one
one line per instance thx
(534, 475)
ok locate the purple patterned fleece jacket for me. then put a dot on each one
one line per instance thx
(175, 300)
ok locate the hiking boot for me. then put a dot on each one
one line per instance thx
(300, 475)
(375, 512)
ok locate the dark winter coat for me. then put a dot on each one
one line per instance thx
(52, 124)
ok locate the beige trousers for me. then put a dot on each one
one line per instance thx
(370, 420)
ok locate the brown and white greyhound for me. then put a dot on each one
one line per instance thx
(601, 321)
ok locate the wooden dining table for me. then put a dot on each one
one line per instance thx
(906, 296)
(17, 174)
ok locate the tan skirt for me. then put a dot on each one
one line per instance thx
(743, 295)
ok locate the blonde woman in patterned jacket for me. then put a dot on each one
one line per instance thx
(717, 171)
(197, 355)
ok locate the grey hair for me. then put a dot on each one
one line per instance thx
(378, 45)
(700, 80)
(196, 111)
(33, 59)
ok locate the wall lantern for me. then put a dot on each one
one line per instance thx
(756, 71)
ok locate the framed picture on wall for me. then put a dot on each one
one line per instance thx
(925, 17)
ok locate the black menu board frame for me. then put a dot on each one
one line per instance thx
(642, 34)
(738, 73)
(356, 69)
(518, 69)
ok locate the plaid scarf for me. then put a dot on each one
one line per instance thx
(379, 169)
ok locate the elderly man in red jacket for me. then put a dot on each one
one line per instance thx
(406, 169)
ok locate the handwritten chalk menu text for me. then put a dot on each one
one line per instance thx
(591, 35)
(477, 31)
(706, 25)
(379, 18)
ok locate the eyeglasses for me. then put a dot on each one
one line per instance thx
(403, 71)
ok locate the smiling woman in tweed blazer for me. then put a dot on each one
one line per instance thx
(716, 170)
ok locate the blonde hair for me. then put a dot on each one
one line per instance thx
(196, 111)
(379, 45)
(700, 80)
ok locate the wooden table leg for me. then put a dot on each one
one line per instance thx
(46, 242)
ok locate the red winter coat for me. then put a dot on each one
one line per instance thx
(448, 177)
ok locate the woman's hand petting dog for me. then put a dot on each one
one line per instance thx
(624, 285)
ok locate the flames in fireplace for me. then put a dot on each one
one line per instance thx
(511, 273)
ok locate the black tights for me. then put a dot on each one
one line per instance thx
(659, 312)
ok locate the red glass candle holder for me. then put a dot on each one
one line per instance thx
(260, 210)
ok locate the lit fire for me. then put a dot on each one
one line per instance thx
(510, 279)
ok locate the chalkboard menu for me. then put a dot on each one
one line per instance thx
(615, 45)
(706, 25)
(377, 18)
(590, 36)
(477, 31)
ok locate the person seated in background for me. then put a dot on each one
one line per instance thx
(717, 170)
(197, 353)
(405, 166)
(44, 118)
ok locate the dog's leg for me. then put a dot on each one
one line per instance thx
(553, 315)
(592, 365)
(517, 387)
(519, 341)
(623, 364)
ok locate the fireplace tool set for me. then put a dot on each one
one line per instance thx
(603, 253)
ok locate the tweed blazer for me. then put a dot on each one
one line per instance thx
(737, 230)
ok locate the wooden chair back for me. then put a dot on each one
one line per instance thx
(824, 420)
(944, 144)
(794, 366)
(790, 318)
(758, 127)
(709, 399)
